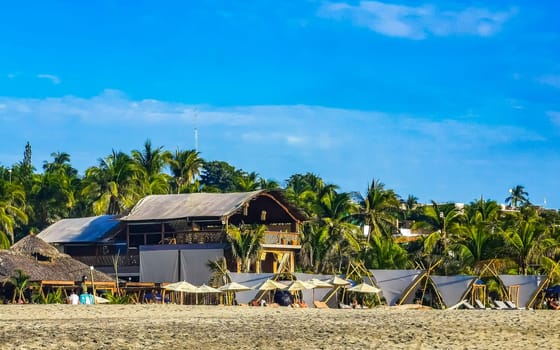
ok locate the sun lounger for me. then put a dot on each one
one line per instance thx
(320, 304)
(479, 304)
(468, 305)
(500, 305)
(344, 306)
(512, 305)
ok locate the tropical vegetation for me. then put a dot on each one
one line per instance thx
(343, 227)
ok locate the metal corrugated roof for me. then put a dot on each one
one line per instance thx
(178, 206)
(91, 229)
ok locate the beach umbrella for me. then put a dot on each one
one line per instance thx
(234, 287)
(181, 286)
(297, 286)
(204, 289)
(271, 285)
(337, 281)
(364, 288)
(300, 285)
(319, 284)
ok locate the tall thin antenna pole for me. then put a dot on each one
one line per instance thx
(195, 131)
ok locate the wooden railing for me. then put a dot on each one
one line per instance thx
(282, 238)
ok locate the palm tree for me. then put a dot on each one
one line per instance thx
(379, 209)
(314, 245)
(20, 282)
(246, 243)
(334, 212)
(113, 187)
(12, 212)
(527, 242)
(384, 253)
(185, 167)
(151, 161)
(247, 182)
(441, 222)
(477, 243)
(518, 195)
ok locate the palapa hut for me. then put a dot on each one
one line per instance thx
(44, 264)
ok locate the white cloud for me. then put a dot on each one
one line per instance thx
(53, 78)
(418, 22)
(300, 126)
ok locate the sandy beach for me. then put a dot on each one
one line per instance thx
(215, 327)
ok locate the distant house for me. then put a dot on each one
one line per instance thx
(171, 237)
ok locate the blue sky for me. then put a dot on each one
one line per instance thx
(446, 100)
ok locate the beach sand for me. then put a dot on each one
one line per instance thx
(237, 327)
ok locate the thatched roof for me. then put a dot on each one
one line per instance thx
(35, 247)
(27, 255)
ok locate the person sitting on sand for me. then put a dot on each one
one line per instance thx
(74, 299)
(553, 304)
(354, 303)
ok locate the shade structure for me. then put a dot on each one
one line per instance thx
(320, 284)
(300, 285)
(364, 288)
(234, 287)
(337, 281)
(204, 289)
(182, 286)
(271, 285)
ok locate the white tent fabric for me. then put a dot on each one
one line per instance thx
(452, 288)
(193, 264)
(394, 282)
(159, 265)
(314, 294)
(528, 285)
(250, 280)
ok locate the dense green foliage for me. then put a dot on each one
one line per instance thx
(454, 238)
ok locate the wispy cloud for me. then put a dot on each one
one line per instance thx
(418, 22)
(53, 78)
(554, 117)
(550, 80)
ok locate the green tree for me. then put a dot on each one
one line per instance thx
(246, 241)
(185, 167)
(527, 242)
(517, 195)
(113, 186)
(12, 212)
(379, 209)
(441, 221)
(219, 176)
(151, 162)
(20, 282)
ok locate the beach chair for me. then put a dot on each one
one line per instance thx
(479, 304)
(500, 305)
(320, 304)
(512, 305)
(468, 305)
